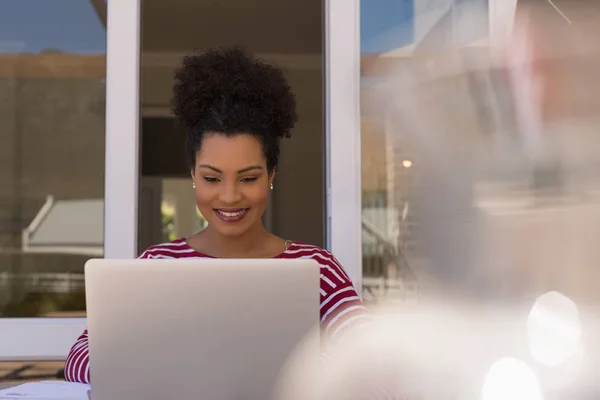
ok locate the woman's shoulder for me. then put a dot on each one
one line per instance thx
(178, 248)
(333, 275)
(304, 250)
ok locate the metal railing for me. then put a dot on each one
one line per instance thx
(386, 270)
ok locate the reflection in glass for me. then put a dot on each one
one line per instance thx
(180, 215)
(479, 149)
(52, 95)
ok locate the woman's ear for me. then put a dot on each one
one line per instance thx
(271, 178)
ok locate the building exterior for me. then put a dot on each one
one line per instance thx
(89, 152)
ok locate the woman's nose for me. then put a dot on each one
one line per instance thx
(230, 194)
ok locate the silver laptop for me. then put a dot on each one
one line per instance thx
(210, 329)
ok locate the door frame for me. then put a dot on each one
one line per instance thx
(342, 132)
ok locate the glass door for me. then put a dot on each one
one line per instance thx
(287, 33)
(373, 47)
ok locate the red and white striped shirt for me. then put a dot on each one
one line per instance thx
(341, 309)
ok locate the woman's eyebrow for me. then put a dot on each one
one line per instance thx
(210, 167)
(250, 168)
(241, 171)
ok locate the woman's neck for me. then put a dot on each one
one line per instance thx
(256, 243)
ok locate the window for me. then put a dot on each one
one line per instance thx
(52, 80)
(54, 210)
(401, 106)
(51, 204)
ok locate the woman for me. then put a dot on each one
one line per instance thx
(236, 109)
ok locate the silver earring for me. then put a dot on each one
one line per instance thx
(194, 185)
(271, 186)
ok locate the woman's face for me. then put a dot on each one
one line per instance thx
(232, 182)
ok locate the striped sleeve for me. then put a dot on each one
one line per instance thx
(341, 308)
(77, 366)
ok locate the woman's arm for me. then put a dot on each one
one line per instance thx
(77, 366)
(341, 308)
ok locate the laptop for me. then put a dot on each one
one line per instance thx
(210, 329)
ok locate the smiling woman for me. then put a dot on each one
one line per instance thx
(236, 109)
(231, 182)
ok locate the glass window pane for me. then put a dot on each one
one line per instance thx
(401, 42)
(478, 159)
(52, 98)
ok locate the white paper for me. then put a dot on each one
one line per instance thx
(46, 390)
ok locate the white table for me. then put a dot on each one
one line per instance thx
(6, 385)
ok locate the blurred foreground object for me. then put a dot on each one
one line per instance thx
(492, 156)
(554, 329)
(434, 351)
(511, 379)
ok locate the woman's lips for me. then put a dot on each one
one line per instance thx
(231, 214)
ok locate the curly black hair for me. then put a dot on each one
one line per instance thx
(229, 91)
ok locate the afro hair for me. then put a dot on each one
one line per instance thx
(228, 90)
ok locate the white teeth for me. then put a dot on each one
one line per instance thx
(231, 214)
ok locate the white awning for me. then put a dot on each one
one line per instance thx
(67, 227)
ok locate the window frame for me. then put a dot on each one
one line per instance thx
(343, 145)
(52, 338)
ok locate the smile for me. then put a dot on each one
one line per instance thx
(231, 214)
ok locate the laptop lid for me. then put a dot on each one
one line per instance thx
(196, 328)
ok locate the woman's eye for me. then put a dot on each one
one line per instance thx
(210, 179)
(249, 179)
